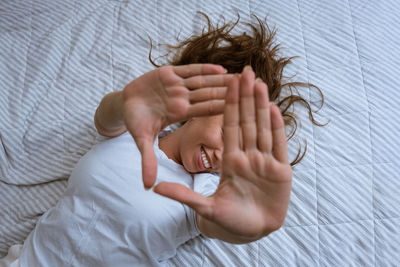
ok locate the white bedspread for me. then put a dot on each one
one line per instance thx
(58, 58)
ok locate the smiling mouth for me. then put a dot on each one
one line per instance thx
(204, 159)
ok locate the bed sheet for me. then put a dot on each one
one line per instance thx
(58, 58)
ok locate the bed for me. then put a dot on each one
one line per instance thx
(58, 58)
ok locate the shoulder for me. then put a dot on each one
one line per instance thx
(110, 168)
(206, 183)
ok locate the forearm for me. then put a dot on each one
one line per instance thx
(109, 119)
(213, 230)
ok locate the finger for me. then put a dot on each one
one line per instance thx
(205, 94)
(207, 81)
(264, 134)
(186, 71)
(231, 116)
(279, 142)
(181, 193)
(247, 110)
(207, 108)
(149, 161)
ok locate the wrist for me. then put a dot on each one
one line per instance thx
(213, 230)
(201, 226)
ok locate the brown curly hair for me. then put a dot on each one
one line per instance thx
(217, 45)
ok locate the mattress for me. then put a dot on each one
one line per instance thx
(58, 58)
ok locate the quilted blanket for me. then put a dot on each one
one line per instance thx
(58, 58)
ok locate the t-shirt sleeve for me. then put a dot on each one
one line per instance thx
(206, 183)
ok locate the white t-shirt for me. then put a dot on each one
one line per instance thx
(106, 218)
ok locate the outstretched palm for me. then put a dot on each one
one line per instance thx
(253, 194)
(167, 95)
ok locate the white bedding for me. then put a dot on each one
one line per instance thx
(58, 58)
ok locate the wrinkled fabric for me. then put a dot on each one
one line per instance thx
(106, 217)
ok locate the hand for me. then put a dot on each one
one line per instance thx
(253, 194)
(167, 95)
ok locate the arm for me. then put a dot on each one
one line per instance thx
(253, 194)
(109, 119)
(158, 98)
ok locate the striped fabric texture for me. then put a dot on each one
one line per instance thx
(59, 58)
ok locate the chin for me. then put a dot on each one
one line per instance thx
(187, 167)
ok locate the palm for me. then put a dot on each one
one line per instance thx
(247, 201)
(164, 101)
(253, 194)
(167, 95)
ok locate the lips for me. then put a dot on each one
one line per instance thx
(204, 160)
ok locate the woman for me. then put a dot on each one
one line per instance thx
(106, 216)
(251, 174)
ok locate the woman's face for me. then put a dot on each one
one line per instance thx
(200, 144)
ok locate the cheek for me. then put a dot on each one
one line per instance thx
(188, 150)
(214, 138)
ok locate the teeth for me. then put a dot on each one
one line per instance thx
(205, 161)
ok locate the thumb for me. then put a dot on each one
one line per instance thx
(149, 161)
(201, 204)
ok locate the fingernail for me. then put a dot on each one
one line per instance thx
(247, 67)
(225, 70)
(148, 188)
(258, 80)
